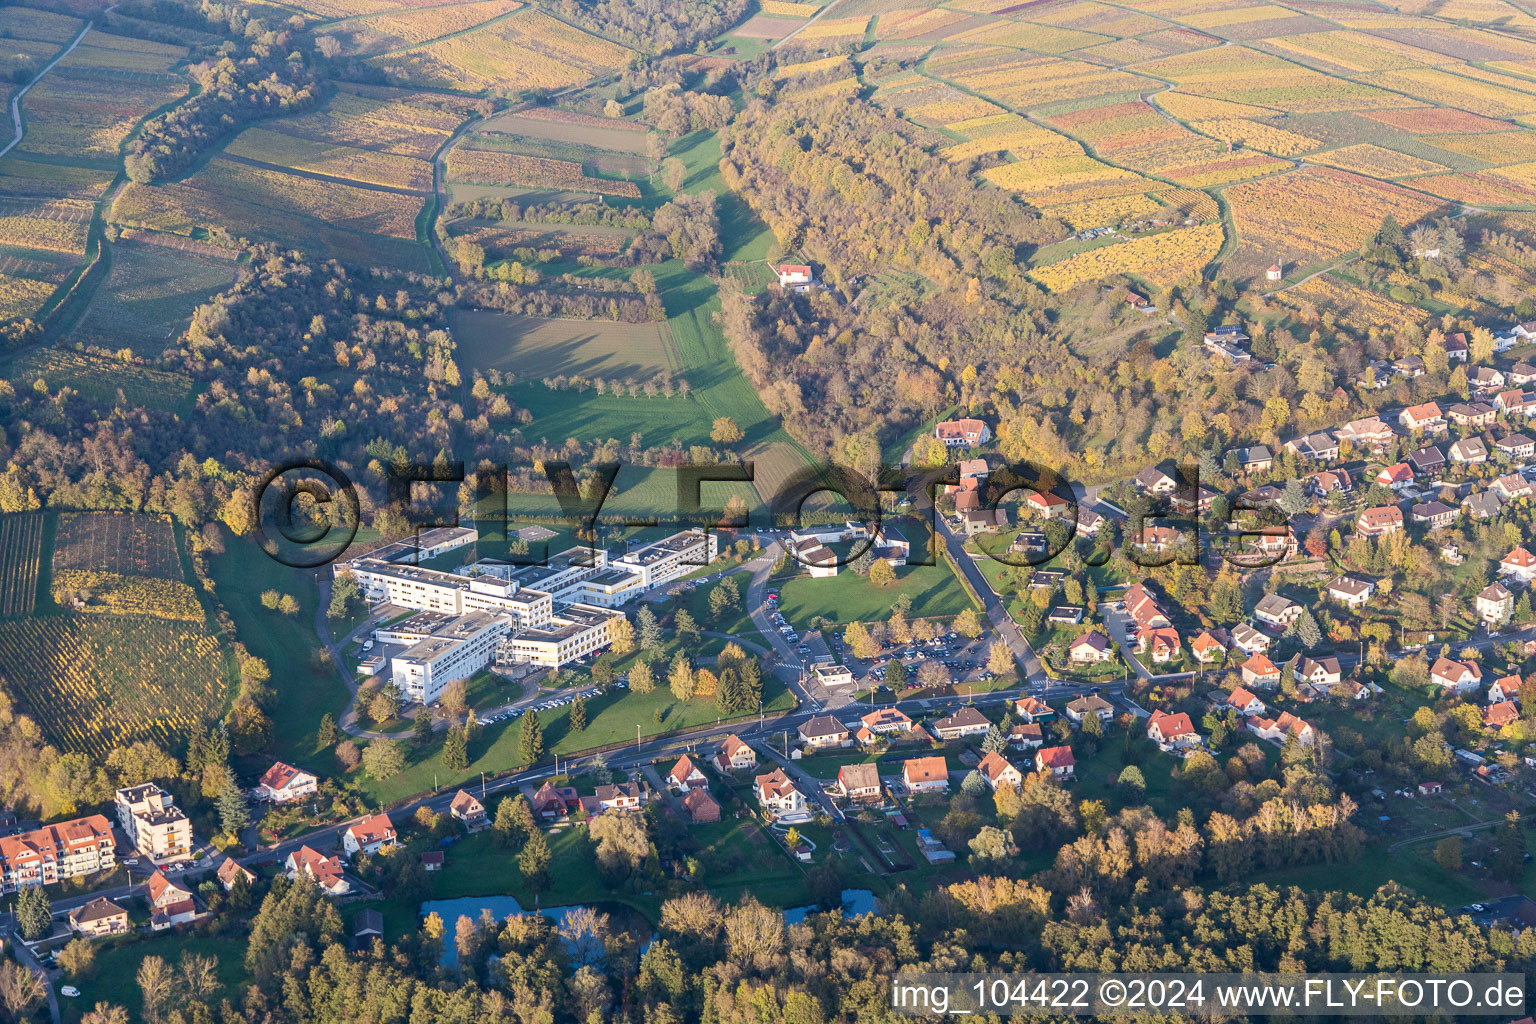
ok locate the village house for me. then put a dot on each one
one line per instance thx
(996, 770)
(1330, 481)
(966, 721)
(887, 722)
(1482, 505)
(369, 835)
(702, 809)
(1162, 645)
(1090, 704)
(925, 775)
(1470, 451)
(1260, 671)
(1521, 374)
(283, 782)
(983, 520)
(1187, 502)
(1350, 592)
(1320, 672)
(780, 798)
(1511, 486)
(824, 732)
(1249, 640)
(1318, 447)
(735, 755)
(1485, 379)
(1276, 611)
(1504, 688)
(468, 811)
(1244, 702)
(1495, 603)
(1516, 446)
(98, 918)
(1266, 496)
(1427, 463)
(1461, 676)
(859, 783)
(326, 871)
(1058, 761)
(966, 433)
(552, 802)
(231, 871)
(1033, 709)
(1090, 649)
(1513, 403)
(1088, 523)
(1257, 459)
(169, 903)
(1497, 716)
(1425, 418)
(1369, 433)
(1047, 505)
(1472, 414)
(626, 796)
(796, 277)
(1153, 481)
(1435, 514)
(1519, 564)
(686, 776)
(1026, 736)
(1172, 732)
(1207, 649)
(1408, 366)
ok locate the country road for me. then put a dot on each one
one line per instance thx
(22, 92)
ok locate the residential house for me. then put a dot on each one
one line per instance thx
(98, 918)
(1512, 486)
(1207, 649)
(1276, 611)
(1090, 704)
(1516, 446)
(925, 775)
(627, 796)
(468, 811)
(433, 860)
(326, 871)
(369, 835)
(1472, 414)
(966, 721)
(1172, 732)
(735, 755)
(1056, 760)
(282, 783)
(795, 277)
(1320, 672)
(1090, 649)
(1027, 736)
(1497, 716)
(1495, 603)
(702, 808)
(973, 469)
(1249, 640)
(1461, 676)
(1485, 378)
(1266, 496)
(887, 722)
(1143, 607)
(1427, 463)
(824, 732)
(231, 871)
(169, 903)
(1088, 523)
(1408, 366)
(983, 520)
(1482, 505)
(1504, 688)
(1426, 418)
(686, 776)
(1521, 374)
(1330, 481)
(819, 560)
(1154, 481)
(1256, 459)
(552, 802)
(1245, 702)
(1065, 615)
(1396, 476)
(1350, 592)
(1260, 671)
(1318, 447)
(1047, 505)
(1188, 502)
(1290, 725)
(1519, 564)
(1369, 433)
(1163, 645)
(859, 783)
(1513, 403)
(966, 433)
(1456, 347)
(1435, 514)
(1033, 709)
(998, 772)
(780, 798)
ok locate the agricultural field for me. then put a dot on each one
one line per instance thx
(100, 379)
(409, 124)
(92, 682)
(376, 33)
(126, 543)
(21, 555)
(482, 167)
(532, 348)
(523, 51)
(37, 25)
(351, 163)
(86, 590)
(148, 299)
(86, 116)
(501, 238)
(1161, 258)
(1355, 306)
(556, 125)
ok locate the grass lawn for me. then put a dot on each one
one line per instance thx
(611, 718)
(849, 597)
(588, 415)
(1413, 868)
(1096, 774)
(306, 687)
(117, 962)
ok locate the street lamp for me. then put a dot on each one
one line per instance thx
(637, 737)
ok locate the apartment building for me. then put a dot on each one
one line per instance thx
(153, 823)
(454, 650)
(68, 849)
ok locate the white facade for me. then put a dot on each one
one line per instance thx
(577, 630)
(457, 650)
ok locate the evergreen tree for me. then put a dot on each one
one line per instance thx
(34, 914)
(233, 813)
(455, 753)
(421, 727)
(578, 716)
(1307, 630)
(994, 742)
(328, 734)
(533, 862)
(649, 630)
(530, 741)
(685, 625)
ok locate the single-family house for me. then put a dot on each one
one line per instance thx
(283, 782)
(1090, 649)
(1497, 716)
(1482, 505)
(1090, 704)
(824, 732)
(686, 776)
(1058, 761)
(551, 802)
(1426, 418)
(169, 903)
(1033, 709)
(1319, 447)
(1276, 611)
(1519, 564)
(1511, 486)
(1427, 463)
(998, 772)
(1350, 592)
(1369, 433)
(1206, 648)
(1396, 476)
(1258, 670)
(700, 807)
(1245, 702)
(966, 721)
(1154, 481)
(468, 810)
(925, 775)
(1461, 676)
(964, 433)
(780, 798)
(231, 871)
(370, 835)
(983, 520)
(795, 277)
(1172, 732)
(1026, 736)
(1470, 451)
(1249, 640)
(1330, 481)
(98, 918)
(859, 783)
(1516, 446)
(1320, 672)
(1504, 688)
(1435, 514)
(626, 796)
(735, 755)
(1256, 459)
(326, 871)
(1485, 379)
(1495, 603)
(887, 722)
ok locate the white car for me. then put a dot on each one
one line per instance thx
(69, 991)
